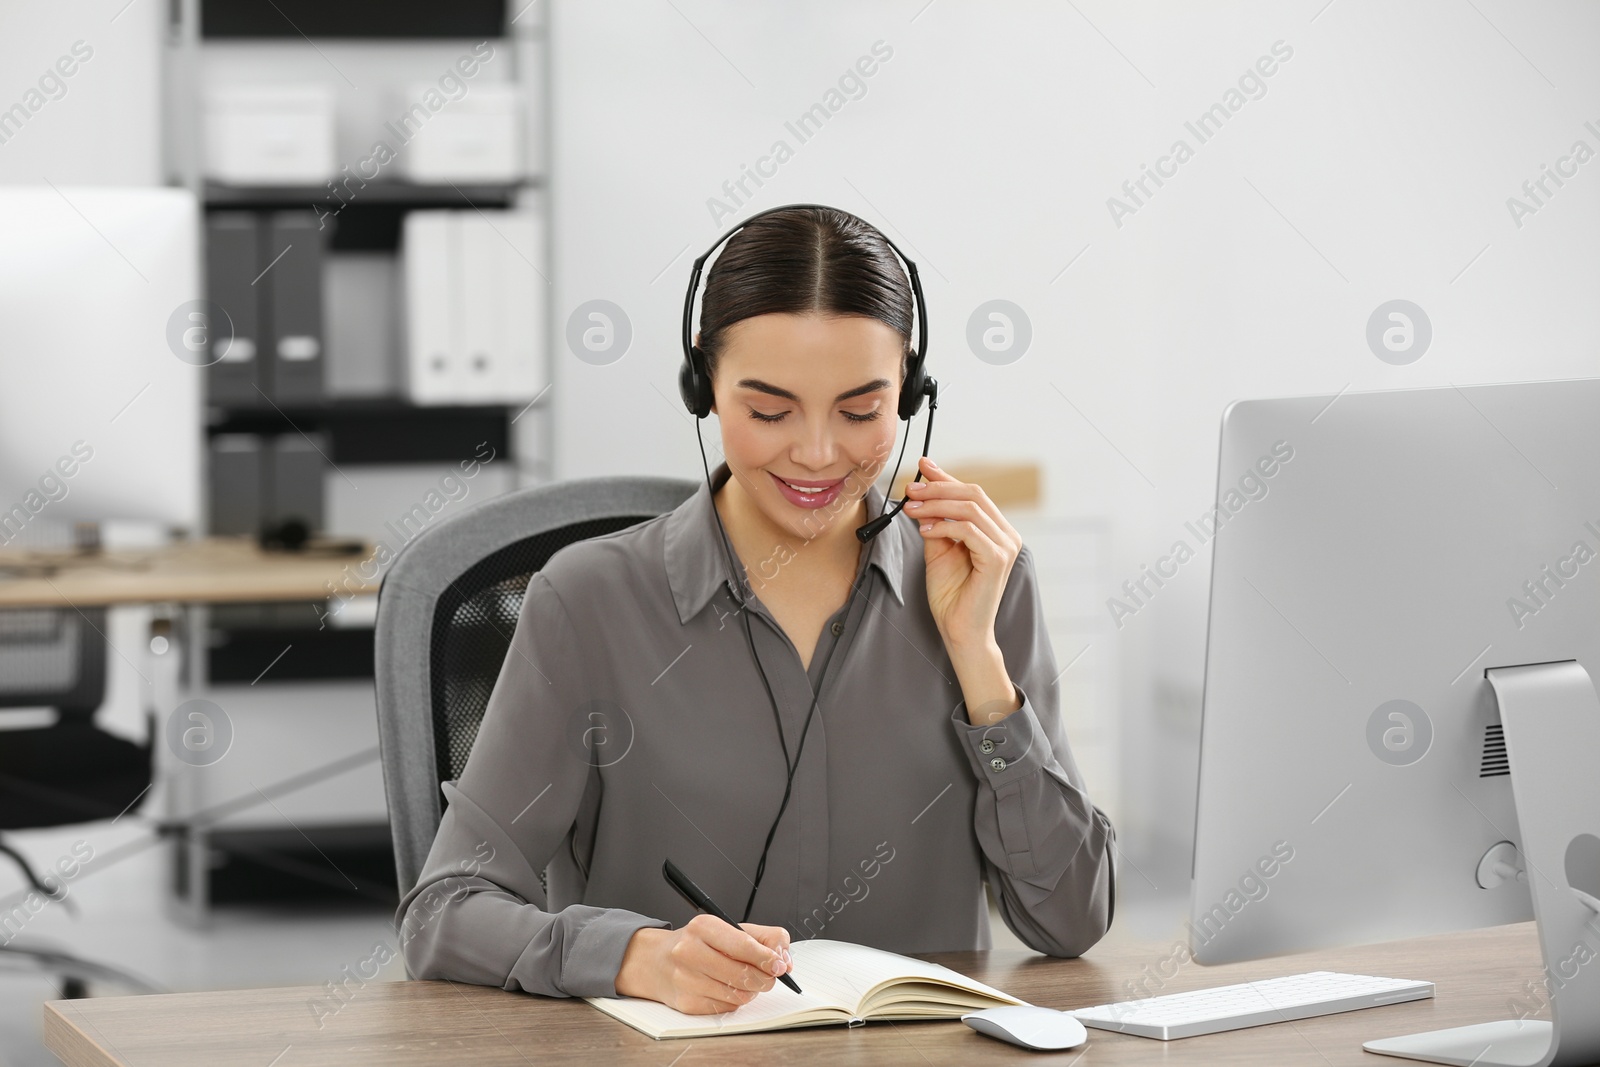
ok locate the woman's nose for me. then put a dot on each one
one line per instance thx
(816, 447)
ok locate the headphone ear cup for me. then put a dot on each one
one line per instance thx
(694, 385)
(911, 391)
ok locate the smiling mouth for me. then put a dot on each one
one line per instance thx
(811, 488)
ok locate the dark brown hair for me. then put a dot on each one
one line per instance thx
(805, 259)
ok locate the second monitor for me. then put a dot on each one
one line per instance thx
(1358, 746)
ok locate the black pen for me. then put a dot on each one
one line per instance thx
(697, 899)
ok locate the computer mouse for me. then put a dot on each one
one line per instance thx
(1029, 1025)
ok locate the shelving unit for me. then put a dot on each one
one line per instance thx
(281, 667)
(379, 429)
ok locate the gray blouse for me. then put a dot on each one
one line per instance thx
(629, 725)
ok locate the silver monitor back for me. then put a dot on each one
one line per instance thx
(1351, 775)
(92, 280)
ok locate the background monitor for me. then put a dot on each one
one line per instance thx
(1376, 552)
(90, 281)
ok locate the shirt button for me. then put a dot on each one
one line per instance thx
(997, 764)
(837, 628)
(987, 746)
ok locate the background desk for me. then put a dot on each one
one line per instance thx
(408, 1024)
(186, 582)
(211, 570)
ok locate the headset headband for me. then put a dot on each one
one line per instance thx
(918, 357)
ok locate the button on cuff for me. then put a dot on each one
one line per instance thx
(1016, 746)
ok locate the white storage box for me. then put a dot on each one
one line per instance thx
(270, 134)
(474, 138)
(475, 306)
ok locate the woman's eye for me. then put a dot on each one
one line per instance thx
(779, 417)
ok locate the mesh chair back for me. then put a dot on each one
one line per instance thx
(447, 609)
(53, 657)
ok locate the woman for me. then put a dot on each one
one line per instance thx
(630, 724)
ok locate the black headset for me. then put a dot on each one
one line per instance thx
(694, 382)
(694, 385)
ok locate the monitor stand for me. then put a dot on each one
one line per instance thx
(1551, 717)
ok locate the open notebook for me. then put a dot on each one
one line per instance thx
(843, 983)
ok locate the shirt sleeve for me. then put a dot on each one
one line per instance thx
(1047, 849)
(478, 911)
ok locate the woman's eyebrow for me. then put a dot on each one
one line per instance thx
(764, 387)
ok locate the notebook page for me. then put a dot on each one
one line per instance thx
(849, 971)
(775, 1004)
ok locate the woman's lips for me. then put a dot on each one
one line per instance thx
(808, 500)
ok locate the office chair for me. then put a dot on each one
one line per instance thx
(68, 772)
(446, 611)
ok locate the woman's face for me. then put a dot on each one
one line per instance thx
(809, 400)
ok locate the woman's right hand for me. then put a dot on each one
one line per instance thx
(704, 968)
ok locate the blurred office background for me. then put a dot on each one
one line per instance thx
(505, 283)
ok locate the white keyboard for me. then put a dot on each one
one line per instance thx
(1233, 1007)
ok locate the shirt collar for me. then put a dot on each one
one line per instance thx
(697, 566)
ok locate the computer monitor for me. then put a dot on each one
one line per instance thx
(99, 414)
(1403, 637)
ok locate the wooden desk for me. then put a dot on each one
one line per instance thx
(209, 570)
(407, 1024)
(190, 575)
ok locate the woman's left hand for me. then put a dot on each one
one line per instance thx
(969, 552)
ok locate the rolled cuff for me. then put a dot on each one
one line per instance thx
(1002, 752)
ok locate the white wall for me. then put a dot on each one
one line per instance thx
(102, 124)
(1376, 166)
